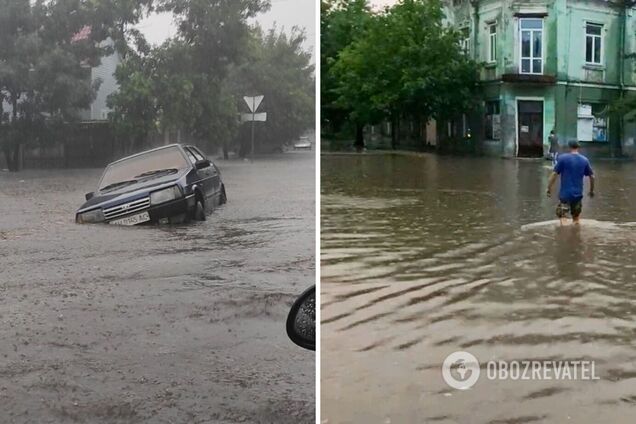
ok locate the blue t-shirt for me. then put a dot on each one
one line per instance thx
(572, 167)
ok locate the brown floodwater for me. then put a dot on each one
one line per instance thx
(426, 255)
(161, 324)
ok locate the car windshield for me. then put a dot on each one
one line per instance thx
(145, 165)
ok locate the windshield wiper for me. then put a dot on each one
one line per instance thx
(118, 184)
(155, 172)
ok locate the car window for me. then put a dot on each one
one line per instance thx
(191, 156)
(197, 154)
(169, 158)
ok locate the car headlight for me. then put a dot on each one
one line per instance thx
(90, 217)
(165, 195)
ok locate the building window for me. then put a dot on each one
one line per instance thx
(464, 42)
(592, 122)
(493, 120)
(492, 43)
(593, 43)
(531, 45)
(599, 126)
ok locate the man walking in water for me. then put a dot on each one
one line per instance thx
(572, 167)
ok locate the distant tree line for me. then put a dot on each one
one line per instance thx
(193, 82)
(397, 63)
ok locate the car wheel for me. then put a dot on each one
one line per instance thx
(199, 211)
(223, 197)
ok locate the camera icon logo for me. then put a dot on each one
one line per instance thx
(461, 370)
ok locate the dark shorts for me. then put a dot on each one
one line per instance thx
(573, 208)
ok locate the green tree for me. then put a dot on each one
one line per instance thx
(407, 63)
(215, 35)
(280, 69)
(341, 22)
(45, 64)
(134, 106)
(182, 84)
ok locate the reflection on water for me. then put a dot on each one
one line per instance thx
(423, 256)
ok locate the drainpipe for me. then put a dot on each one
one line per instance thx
(623, 49)
(622, 60)
(475, 4)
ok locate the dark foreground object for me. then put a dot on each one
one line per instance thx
(301, 321)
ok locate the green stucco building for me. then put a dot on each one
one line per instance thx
(549, 65)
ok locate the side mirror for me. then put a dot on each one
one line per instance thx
(89, 196)
(301, 321)
(201, 164)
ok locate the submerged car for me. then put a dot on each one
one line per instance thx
(303, 143)
(169, 184)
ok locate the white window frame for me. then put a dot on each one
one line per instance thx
(492, 42)
(531, 57)
(596, 38)
(465, 40)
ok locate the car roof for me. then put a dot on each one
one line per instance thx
(148, 151)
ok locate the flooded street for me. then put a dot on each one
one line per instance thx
(426, 255)
(165, 324)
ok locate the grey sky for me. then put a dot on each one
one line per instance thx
(284, 13)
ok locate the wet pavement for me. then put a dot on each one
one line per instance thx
(165, 324)
(424, 256)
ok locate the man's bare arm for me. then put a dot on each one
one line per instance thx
(592, 185)
(551, 181)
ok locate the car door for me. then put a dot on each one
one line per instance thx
(214, 173)
(206, 175)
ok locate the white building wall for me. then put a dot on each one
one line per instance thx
(106, 72)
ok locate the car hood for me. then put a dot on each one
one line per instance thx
(131, 192)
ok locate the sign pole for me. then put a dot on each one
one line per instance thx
(253, 109)
(252, 155)
(253, 103)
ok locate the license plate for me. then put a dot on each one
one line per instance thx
(132, 219)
